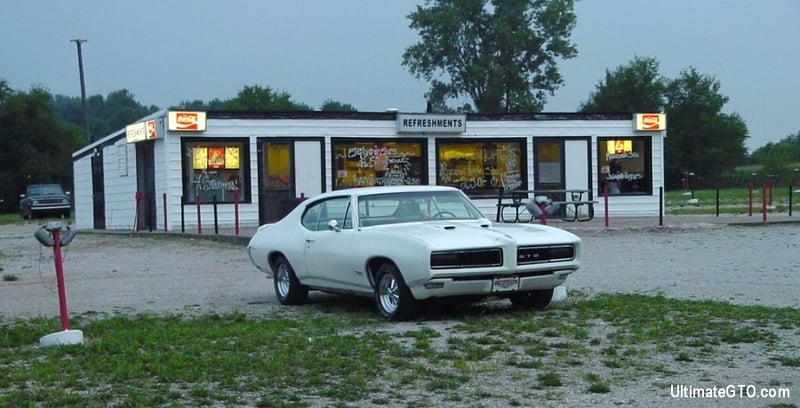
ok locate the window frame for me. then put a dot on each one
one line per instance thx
(483, 191)
(337, 143)
(242, 173)
(645, 156)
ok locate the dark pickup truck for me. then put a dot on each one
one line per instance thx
(44, 199)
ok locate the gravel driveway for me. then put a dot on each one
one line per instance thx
(124, 273)
(130, 273)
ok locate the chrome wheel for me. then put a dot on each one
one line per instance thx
(282, 281)
(288, 288)
(388, 294)
(392, 297)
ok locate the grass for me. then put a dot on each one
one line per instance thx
(347, 356)
(731, 201)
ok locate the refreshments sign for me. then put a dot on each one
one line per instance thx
(141, 131)
(187, 121)
(650, 122)
(431, 123)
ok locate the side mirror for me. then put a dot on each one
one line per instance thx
(333, 226)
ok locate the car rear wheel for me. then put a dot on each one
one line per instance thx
(392, 296)
(536, 299)
(288, 288)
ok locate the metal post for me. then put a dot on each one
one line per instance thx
(83, 89)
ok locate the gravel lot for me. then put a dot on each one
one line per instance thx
(124, 273)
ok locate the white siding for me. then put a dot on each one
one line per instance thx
(120, 188)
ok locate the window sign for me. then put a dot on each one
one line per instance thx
(480, 167)
(212, 170)
(359, 163)
(625, 166)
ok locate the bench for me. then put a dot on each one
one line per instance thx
(569, 201)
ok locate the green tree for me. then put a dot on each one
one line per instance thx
(37, 146)
(701, 139)
(500, 53)
(334, 106)
(106, 115)
(780, 158)
(636, 87)
(256, 98)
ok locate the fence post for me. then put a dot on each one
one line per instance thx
(605, 201)
(216, 221)
(165, 212)
(717, 191)
(236, 212)
(660, 206)
(764, 202)
(199, 224)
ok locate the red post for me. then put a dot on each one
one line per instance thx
(236, 211)
(199, 224)
(165, 212)
(605, 203)
(750, 199)
(543, 218)
(764, 202)
(62, 292)
(139, 196)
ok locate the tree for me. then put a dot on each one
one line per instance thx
(334, 106)
(256, 98)
(637, 87)
(500, 53)
(701, 139)
(37, 146)
(106, 115)
(780, 159)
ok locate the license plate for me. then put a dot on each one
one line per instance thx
(505, 284)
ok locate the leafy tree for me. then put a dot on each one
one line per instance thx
(106, 115)
(334, 106)
(637, 87)
(780, 158)
(500, 53)
(701, 139)
(256, 98)
(37, 146)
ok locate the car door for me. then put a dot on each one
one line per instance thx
(328, 251)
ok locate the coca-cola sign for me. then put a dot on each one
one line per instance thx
(187, 121)
(650, 122)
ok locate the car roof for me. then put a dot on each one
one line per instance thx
(362, 191)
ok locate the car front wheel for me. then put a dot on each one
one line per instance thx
(288, 288)
(392, 296)
(536, 299)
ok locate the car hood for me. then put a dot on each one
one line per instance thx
(439, 235)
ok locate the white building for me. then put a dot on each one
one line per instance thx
(158, 172)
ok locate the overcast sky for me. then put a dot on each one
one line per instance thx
(168, 51)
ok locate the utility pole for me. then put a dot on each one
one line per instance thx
(83, 89)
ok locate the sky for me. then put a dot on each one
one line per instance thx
(168, 51)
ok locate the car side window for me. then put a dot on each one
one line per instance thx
(316, 217)
(311, 216)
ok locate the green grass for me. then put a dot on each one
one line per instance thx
(731, 201)
(348, 355)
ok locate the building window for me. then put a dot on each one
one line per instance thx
(481, 167)
(624, 166)
(215, 169)
(366, 163)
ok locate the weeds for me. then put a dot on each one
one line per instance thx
(348, 356)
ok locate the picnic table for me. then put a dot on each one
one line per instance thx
(570, 202)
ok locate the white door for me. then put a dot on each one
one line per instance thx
(308, 168)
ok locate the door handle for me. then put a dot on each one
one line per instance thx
(309, 240)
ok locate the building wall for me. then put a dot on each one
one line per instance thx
(120, 189)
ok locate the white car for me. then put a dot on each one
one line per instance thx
(405, 244)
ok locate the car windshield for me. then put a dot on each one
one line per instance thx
(415, 206)
(46, 189)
